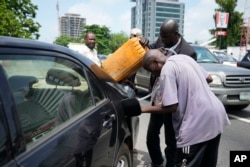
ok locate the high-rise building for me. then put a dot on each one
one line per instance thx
(72, 25)
(148, 15)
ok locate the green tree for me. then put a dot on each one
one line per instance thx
(116, 40)
(17, 19)
(234, 24)
(102, 37)
(64, 40)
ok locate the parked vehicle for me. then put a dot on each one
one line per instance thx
(230, 84)
(245, 61)
(224, 58)
(58, 108)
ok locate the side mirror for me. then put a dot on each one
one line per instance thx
(131, 107)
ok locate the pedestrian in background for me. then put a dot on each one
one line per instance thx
(136, 32)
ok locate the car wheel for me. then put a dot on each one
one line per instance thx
(236, 108)
(124, 158)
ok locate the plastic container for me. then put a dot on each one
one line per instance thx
(125, 61)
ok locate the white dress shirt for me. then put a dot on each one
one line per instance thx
(91, 54)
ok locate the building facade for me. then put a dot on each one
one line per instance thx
(148, 15)
(71, 25)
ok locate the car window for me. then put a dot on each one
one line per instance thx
(48, 91)
(98, 93)
(204, 55)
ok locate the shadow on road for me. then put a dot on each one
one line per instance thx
(240, 113)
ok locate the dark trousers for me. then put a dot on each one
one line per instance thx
(153, 140)
(204, 154)
(170, 141)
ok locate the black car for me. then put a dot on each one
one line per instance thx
(245, 61)
(58, 108)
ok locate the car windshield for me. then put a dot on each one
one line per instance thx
(204, 55)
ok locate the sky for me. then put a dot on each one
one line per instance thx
(116, 15)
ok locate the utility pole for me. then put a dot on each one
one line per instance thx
(58, 18)
(245, 30)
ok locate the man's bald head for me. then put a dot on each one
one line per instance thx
(153, 61)
(170, 26)
(169, 33)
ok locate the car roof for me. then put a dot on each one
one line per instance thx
(32, 44)
(198, 46)
(14, 42)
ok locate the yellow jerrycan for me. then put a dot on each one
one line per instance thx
(125, 61)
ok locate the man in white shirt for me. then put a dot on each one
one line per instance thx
(88, 49)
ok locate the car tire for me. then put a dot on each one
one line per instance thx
(236, 107)
(124, 157)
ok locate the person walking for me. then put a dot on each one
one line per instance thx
(88, 48)
(171, 39)
(198, 115)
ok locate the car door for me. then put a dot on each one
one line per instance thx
(11, 138)
(66, 117)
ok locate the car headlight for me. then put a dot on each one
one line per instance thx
(216, 80)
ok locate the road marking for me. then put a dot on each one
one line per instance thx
(239, 118)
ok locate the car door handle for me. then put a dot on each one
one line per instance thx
(108, 121)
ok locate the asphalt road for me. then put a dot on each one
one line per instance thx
(235, 137)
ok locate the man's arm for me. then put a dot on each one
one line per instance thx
(159, 108)
(171, 108)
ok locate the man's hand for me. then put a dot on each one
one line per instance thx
(144, 41)
(152, 109)
(163, 50)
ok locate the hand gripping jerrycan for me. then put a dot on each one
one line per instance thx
(125, 61)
